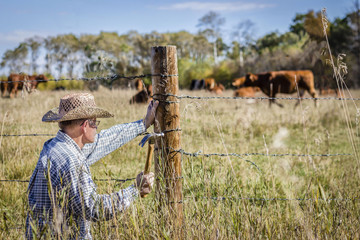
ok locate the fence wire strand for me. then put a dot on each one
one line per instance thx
(96, 180)
(247, 98)
(274, 199)
(28, 135)
(112, 78)
(199, 153)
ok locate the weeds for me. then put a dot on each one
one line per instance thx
(224, 198)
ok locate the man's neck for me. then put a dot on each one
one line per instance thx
(76, 136)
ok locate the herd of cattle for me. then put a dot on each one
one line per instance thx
(270, 83)
(17, 82)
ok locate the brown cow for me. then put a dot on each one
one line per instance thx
(15, 83)
(328, 91)
(209, 83)
(143, 96)
(238, 81)
(36, 79)
(272, 83)
(4, 87)
(246, 92)
(218, 89)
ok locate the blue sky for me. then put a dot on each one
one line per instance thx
(21, 19)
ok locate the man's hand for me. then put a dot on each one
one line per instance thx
(144, 183)
(150, 115)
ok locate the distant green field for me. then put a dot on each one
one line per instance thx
(225, 197)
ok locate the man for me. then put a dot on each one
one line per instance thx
(62, 195)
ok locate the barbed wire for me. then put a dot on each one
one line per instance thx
(27, 135)
(95, 179)
(51, 135)
(13, 180)
(19, 227)
(223, 198)
(247, 98)
(196, 154)
(275, 199)
(112, 78)
(199, 153)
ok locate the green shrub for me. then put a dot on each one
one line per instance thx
(65, 84)
(189, 69)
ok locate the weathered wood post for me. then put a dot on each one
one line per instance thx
(167, 120)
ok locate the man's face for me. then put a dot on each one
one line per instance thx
(90, 126)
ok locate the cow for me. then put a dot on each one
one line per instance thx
(209, 83)
(143, 96)
(3, 87)
(288, 82)
(35, 80)
(15, 83)
(238, 82)
(218, 89)
(139, 85)
(328, 91)
(246, 91)
(197, 84)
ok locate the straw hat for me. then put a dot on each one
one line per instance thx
(76, 106)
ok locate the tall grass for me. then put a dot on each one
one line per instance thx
(224, 197)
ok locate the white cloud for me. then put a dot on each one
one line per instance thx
(213, 6)
(19, 36)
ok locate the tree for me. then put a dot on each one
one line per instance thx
(15, 59)
(243, 34)
(269, 41)
(340, 36)
(311, 23)
(313, 26)
(298, 24)
(210, 26)
(354, 23)
(34, 45)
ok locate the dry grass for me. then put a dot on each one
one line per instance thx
(212, 126)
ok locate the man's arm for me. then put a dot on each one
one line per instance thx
(111, 139)
(86, 203)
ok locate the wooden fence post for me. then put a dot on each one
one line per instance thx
(167, 120)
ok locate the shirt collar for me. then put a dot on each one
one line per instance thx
(63, 137)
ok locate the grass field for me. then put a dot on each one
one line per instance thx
(282, 197)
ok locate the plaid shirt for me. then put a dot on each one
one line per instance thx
(64, 166)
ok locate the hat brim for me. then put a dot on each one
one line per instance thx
(77, 113)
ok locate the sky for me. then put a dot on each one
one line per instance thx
(22, 19)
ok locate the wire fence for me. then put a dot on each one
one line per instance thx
(199, 153)
(114, 77)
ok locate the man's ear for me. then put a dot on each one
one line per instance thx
(83, 127)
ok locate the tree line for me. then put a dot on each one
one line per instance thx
(201, 55)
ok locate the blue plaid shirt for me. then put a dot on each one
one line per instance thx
(72, 196)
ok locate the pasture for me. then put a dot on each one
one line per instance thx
(224, 197)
